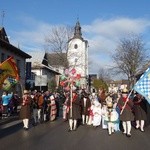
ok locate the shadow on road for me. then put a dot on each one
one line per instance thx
(10, 130)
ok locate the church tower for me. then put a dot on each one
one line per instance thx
(78, 54)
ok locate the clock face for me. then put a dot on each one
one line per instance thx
(75, 46)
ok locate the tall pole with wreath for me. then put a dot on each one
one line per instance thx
(70, 81)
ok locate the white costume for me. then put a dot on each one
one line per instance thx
(97, 112)
(112, 118)
(104, 116)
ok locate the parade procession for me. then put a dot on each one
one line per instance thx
(74, 75)
(74, 99)
(114, 111)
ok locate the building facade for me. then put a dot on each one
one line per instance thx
(43, 76)
(7, 50)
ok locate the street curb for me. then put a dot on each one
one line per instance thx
(8, 120)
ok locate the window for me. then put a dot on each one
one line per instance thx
(75, 46)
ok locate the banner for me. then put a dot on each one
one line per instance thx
(9, 83)
(8, 69)
(143, 85)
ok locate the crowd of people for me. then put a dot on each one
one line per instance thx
(40, 106)
(113, 111)
(9, 103)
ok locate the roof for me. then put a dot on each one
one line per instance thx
(3, 34)
(37, 57)
(78, 33)
(57, 59)
(38, 61)
(4, 42)
(46, 67)
(13, 49)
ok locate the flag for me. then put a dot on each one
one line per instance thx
(8, 69)
(142, 86)
(8, 83)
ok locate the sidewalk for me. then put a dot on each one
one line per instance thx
(9, 121)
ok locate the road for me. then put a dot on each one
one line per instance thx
(54, 136)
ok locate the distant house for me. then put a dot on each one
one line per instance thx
(42, 73)
(7, 50)
(117, 85)
(57, 61)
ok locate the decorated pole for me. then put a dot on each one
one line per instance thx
(126, 102)
(71, 100)
(67, 82)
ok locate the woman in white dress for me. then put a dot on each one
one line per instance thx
(97, 112)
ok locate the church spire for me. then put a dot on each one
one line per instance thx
(77, 30)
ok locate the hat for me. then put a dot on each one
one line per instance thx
(25, 91)
(125, 91)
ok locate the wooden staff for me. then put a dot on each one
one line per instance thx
(70, 100)
(126, 102)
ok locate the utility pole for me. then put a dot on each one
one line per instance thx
(2, 17)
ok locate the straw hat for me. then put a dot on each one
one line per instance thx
(125, 91)
(25, 92)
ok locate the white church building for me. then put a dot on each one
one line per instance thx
(78, 54)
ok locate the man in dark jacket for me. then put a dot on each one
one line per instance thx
(126, 115)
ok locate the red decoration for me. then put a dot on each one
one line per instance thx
(73, 71)
(62, 83)
(78, 76)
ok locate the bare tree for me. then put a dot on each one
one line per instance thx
(57, 41)
(130, 57)
(104, 74)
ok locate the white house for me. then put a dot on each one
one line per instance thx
(42, 73)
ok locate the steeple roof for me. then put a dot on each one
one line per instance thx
(77, 31)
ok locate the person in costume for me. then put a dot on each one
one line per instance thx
(25, 111)
(126, 115)
(97, 112)
(65, 107)
(91, 114)
(111, 115)
(34, 108)
(102, 96)
(139, 110)
(38, 99)
(45, 106)
(115, 98)
(93, 97)
(53, 108)
(85, 108)
(6, 98)
(74, 113)
(104, 116)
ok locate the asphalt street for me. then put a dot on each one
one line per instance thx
(55, 136)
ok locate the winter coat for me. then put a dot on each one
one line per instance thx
(139, 109)
(25, 111)
(85, 105)
(75, 109)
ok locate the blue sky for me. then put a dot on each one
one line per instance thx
(103, 23)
